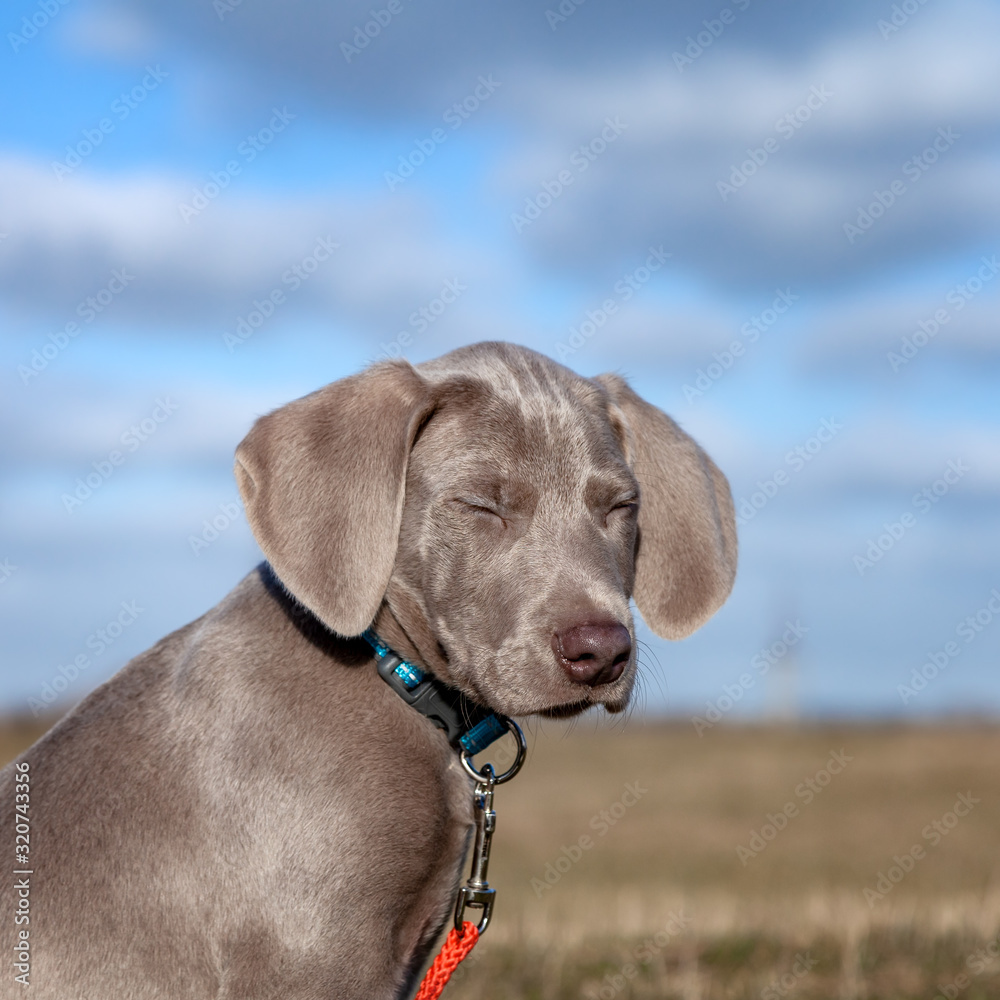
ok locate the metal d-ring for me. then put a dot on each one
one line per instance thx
(522, 748)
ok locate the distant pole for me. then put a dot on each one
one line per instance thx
(784, 691)
(782, 701)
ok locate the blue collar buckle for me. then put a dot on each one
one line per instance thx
(470, 728)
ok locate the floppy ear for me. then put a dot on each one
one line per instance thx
(686, 553)
(322, 481)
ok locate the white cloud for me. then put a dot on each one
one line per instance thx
(889, 332)
(876, 106)
(122, 33)
(67, 236)
(877, 454)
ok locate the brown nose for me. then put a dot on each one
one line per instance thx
(593, 654)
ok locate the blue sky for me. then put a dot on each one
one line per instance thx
(839, 162)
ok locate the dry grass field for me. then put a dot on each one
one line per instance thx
(619, 874)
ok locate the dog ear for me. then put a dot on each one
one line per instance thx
(686, 552)
(322, 480)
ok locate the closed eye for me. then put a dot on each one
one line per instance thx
(481, 508)
(627, 507)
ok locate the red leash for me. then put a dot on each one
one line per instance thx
(454, 949)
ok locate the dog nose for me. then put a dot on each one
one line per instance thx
(593, 654)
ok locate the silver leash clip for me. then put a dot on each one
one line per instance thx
(476, 894)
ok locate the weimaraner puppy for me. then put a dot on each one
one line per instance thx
(248, 810)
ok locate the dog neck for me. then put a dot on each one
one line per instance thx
(469, 727)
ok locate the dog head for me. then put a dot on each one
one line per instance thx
(494, 512)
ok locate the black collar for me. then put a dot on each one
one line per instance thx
(469, 727)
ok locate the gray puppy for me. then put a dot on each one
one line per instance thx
(247, 809)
